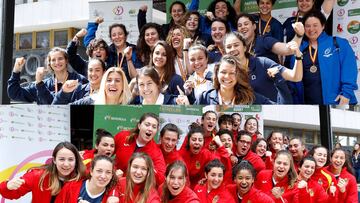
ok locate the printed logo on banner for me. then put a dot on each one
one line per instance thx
(118, 10)
(353, 27)
(353, 40)
(342, 2)
(341, 12)
(339, 28)
(132, 13)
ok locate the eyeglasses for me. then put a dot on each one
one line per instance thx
(101, 48)
(244, 142)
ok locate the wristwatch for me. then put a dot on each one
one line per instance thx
(301, 57)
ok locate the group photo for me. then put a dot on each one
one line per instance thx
(179, 101)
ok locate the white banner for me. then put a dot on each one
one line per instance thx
(124, 12)
(347, 23)
(28, 134)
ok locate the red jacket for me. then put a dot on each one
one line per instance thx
(171, 157)
(32, 179)
(219, 195)
(351, 193)
(88, 156)
(152, 198)
(254, 195)
(314, 193)
(187, 195)
(124, 150)
(71, 190)
(264, 183)
(208, 141)
(195, 163)
(255, 160)
(324, 178)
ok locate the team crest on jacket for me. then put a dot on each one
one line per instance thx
(320, 181)
(215, 199)
(197, 165)
(327, 52)
(311, 192)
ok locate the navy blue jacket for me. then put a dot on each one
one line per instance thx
(211, 97)
(41, 93)
(168, 100)
(68, 97)
(274, 25)
(262, 47)
(176, 80)
(265, 85)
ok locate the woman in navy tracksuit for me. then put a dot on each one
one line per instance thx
(42, 90)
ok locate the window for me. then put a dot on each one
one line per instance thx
(25, 41)
(60, 38)
(43, 39)
(309, 137)
(296, 133)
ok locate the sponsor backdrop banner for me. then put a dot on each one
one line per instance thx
(124, 12)
(117, 118)
(347, 23)
(28, 134)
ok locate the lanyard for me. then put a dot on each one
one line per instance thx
(313, 57)
(267, 24)
(250, 48)
(181, 68)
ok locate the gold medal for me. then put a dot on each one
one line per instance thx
(313, 69)
(197, 165)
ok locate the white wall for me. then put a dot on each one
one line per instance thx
(307, 117)
(53, 14)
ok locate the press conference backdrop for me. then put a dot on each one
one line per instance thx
(28, 134)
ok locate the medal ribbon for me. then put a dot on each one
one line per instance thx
(182, 71)
(312, 57)
(267, 24)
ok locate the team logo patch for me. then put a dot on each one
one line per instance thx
(216, 199)
(197, 165)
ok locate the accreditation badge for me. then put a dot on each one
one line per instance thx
(313, 69)
(197, 165)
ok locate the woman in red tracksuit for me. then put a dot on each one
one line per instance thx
(104, 145)
(321, 175)
(139, 184)
(214, 190)
(140, 139)
(309, 190)
(243, 190)
(97, 188)
(342, 170)
(279, 183)
(169, 136)
(175, 189)
(251, 126)
(275, 143)
(196, 156)
(45, 182)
